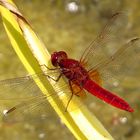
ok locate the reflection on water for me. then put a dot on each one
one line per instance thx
(71, 26)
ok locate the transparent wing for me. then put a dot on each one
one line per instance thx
(22, 100)
(19, 97)
(122, 64)
(30, 109)
(106, 42)
(110, 57)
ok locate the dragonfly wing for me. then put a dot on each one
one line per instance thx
(21, 98)
(24, 84)
(110, 38)
(121, 65)
(95, 76)
(32, 109)
(22, 94)
(109, 57)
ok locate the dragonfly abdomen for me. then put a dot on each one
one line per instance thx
(107, 96)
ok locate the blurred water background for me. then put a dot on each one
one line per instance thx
(71, 25)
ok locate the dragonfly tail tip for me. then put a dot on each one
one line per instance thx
(130, 109)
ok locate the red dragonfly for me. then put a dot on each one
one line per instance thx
(78, 74)
(97, 65)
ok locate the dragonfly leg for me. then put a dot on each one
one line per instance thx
(70, 84)
(78, 92)
(57, 79)
(43, 65)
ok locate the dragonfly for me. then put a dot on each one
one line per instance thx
(99, 63)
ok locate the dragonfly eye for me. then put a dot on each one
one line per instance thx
(62, 55)
(56, 57)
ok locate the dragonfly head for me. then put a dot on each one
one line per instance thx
(56, 57)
